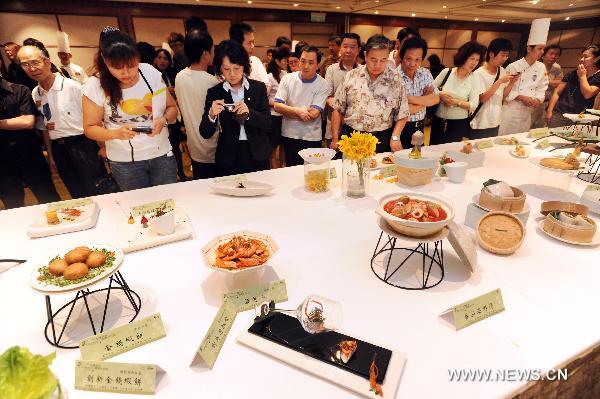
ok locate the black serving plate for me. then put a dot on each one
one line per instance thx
(287, 331)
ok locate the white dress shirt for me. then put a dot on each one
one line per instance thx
(76, 72)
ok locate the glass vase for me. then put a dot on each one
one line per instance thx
(355, 177)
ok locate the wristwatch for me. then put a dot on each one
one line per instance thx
(395, 138)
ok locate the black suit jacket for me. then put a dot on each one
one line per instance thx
(257, 125)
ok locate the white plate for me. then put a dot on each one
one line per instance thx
(51, 289)
(498, 141)
(591, 198)
(345, 379)
(526, 207)
(210, 249)
(586, 117)
(134, 237)
(595, 239)
(251, 188)
(87, 220)
(513, 152)
(536, 161)
(379, 159)
(593, 111)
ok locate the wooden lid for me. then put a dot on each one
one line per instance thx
(551, 206)
(500, 233)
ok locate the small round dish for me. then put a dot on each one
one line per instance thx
(595, 240)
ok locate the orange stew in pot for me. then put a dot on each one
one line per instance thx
(415, 210)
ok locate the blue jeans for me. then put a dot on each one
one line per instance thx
(142, 174)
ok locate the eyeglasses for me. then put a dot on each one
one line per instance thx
(35, 64)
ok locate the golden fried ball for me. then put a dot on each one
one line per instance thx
(78, 254)
(75, 271)
(95, 259)
(57, 266)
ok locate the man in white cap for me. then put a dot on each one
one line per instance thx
(528, 92)
(69, 69)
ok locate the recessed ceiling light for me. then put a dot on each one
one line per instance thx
(296, 4)
(476, 19)
(376, 12)
(571, 5)
(376, 1)
(413, 15)
(444, 6)
(445, 17)
(503, 20)
(568, 18)
(535, 1)
(249, 1)
(338, 7)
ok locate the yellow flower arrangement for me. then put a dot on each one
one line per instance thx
(358, 146)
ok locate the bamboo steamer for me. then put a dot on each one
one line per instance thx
(503, 204)
(414, 177)
(500, 233)
(563, 230)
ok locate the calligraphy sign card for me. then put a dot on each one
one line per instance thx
(122, 339)
(116, 377)
(477, 309)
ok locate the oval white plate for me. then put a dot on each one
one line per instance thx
(586, 117)
(52, 289)
(536, 161)
(498, 141)
(513, 152)
(595, 239)
(252, 188)
(526, 207)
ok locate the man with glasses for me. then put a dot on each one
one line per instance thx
(300, 99)
(70, 152)
(21, 158)
(335, 73)
(372, 99)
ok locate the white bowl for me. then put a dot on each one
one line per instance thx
(163, 225)
(456, 171)
(238, 278)
(591, 198)
(411, 228)
(317, 155)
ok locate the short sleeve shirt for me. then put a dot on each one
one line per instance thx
(416, 86)
(295, 92)
(140, 106)
(371, 105)
(571, 100)
(15, 101)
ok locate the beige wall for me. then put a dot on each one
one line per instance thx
(83, 33)
(573, 42)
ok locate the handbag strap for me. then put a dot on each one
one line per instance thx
(472, 116)
(445, 79)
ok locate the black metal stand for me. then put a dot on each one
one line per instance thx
(121, 284)
(429, 259)
(592, 175)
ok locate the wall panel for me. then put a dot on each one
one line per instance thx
(156, 30)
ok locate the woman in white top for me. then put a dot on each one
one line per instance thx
(128, 106)
(459, 95)
(276, 68)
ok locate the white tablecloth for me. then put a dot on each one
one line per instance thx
(550, 289)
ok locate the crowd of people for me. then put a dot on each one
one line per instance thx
(233, 113)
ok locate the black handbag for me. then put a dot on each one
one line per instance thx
(431, 110)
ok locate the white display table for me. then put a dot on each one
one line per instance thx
(326, 241)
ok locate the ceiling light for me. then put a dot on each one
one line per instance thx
(296, 4)
(568, 18)
(376, 1)
(249, 2)
(503, 20)
(338, 7)
(476, 19)
(445, 17)
(444, 6)
(413, 15)
(535, 1)
(376, 12)
(571, 5)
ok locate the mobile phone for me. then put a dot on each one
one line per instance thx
(142, 129)
(229, 107)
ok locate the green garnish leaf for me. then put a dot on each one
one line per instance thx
(24, 375)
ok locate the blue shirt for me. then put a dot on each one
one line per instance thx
(416, 87)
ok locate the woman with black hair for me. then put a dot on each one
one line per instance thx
(128, 106)
(164, 63)
(578, 89)
(239, 108)
(435, 65)
(459, 95)
(276, 68)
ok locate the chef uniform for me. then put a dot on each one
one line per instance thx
(70, 70)
(533, 82)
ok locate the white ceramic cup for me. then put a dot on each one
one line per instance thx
(456, 171)
(163, 225)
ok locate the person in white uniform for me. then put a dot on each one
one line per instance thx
(528, 92)
(244, 34)
(69, 69)
(58, 99)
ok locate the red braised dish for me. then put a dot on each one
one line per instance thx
(415, 210)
